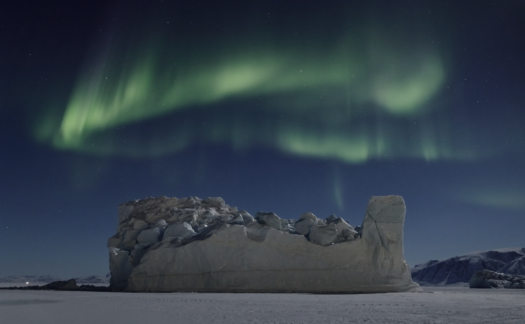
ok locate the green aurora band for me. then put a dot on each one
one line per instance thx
(356, 99)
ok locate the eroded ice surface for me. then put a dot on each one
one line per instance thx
(192, 244)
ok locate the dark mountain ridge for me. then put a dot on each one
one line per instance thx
(458, 270)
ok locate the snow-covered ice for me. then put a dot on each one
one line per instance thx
(436, 305)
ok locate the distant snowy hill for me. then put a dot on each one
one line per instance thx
(92, 280)
(37, 280)
(31, 279)
(458, 270)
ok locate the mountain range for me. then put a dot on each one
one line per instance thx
(458, 270)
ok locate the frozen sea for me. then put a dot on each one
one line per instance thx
(435, 305)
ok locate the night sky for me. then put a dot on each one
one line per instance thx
(283, 106)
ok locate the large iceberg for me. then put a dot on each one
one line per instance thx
(204, 245)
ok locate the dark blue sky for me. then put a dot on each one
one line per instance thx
(279, 106)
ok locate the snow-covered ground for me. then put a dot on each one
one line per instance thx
(435, 305)
(37, 283)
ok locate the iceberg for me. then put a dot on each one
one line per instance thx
(204, 245)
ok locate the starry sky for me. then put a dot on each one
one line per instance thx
(283, 106)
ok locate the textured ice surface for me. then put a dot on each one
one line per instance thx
(192, 244)
(440, 305)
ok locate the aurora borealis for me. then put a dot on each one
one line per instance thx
(290, 107)
(336, 81)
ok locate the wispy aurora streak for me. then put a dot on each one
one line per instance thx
(504, 198)
(357, 99)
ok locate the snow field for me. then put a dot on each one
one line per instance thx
(435, 305)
